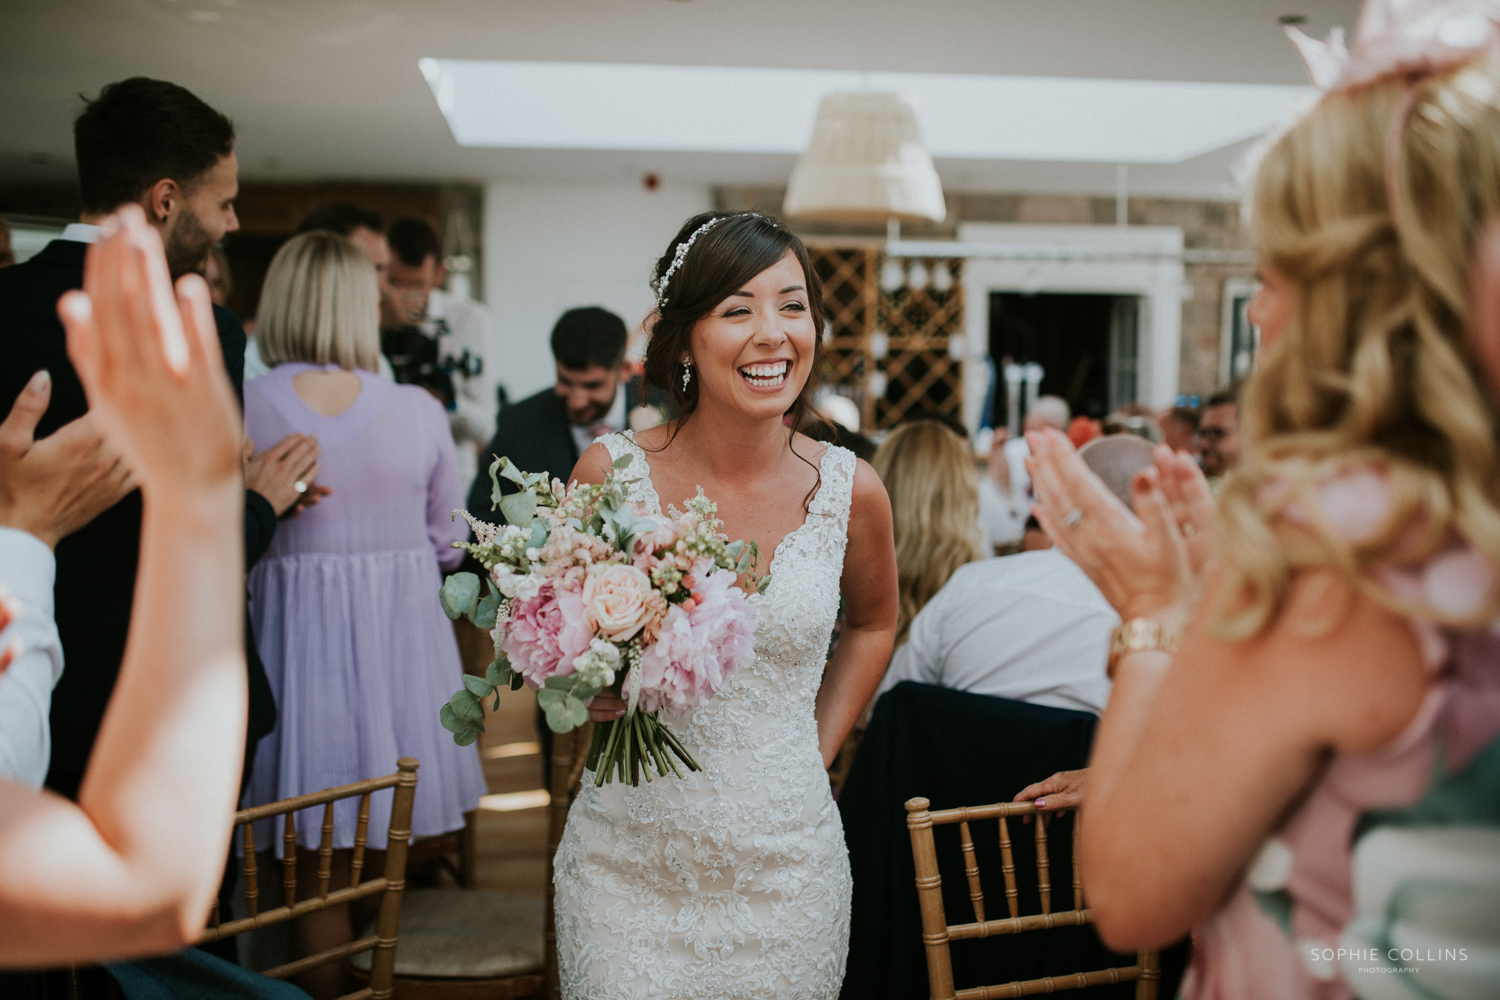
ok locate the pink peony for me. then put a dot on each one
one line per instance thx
(698, 649)
(545, 633)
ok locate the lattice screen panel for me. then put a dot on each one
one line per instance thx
(916, 372)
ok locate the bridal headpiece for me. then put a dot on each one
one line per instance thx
(681, 253)
(1416, 37)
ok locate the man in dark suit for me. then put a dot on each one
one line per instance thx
(593, 396)
(155, 144)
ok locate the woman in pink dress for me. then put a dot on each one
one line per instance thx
(1312, 783)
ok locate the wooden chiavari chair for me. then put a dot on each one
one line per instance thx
(937, 933)
(389, 885)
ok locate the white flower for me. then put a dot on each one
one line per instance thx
(596, 665)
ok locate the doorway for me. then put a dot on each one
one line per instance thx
(1086, 344)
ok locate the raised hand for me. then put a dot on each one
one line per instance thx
(55, 486)
(1191, 502)
(1139, 560)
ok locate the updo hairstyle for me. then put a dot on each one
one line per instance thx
(721, 262)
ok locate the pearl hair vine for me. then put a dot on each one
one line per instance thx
(680, 254)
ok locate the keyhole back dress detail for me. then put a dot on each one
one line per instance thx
(732, 882)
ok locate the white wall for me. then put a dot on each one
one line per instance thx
(549, 247)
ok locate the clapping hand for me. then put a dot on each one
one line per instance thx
(52, 487)
(1140, 561)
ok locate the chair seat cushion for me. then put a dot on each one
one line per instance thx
(462, 934)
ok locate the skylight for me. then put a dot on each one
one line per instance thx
(621, 106)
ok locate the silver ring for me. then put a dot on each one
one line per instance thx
(1071, 519)
(300, 486)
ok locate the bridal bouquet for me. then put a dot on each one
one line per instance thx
(585, 594)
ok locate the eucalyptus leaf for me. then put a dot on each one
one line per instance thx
(566, 715)
(450, 721)
(478, 685)
(548, 697)
(744, 563)
(466, 706)
(538, 534)
(459, 594)
(761, 584)
(498, 672)
(622, 461)
(516, 680)
(561, 683)
(509, 470)
(485, 612)
(466, 738)
(519, 508)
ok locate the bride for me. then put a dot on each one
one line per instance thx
(733, 882)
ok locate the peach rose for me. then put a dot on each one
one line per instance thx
(618, 601)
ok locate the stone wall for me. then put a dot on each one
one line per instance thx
(1213, 234)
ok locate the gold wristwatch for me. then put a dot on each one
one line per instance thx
(1139, 635)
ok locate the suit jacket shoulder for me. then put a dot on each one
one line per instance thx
(534, 435)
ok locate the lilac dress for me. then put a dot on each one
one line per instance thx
(346, 614)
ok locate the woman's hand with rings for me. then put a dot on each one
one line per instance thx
(1140, 563)
(1192, 503)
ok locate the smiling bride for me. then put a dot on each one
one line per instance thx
(734, 881)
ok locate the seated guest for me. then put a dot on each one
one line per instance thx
(1325, 735)
(132, 868)
(345, 602)
(1031, 626)
(929, 475)
(547, 432)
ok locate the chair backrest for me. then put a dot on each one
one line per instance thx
(390, 884)
(937, 933)
(568, 759)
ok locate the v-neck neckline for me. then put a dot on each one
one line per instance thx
(806, 518)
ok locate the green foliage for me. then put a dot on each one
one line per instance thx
(459, 595)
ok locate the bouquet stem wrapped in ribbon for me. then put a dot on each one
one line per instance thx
(586, 594)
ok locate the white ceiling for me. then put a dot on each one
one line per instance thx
(330, 89)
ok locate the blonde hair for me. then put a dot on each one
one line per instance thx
(320, 304)
(929, 474)
(1373, 370)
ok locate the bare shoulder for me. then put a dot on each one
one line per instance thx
(656, 438)
(592, 464)
(869, 491)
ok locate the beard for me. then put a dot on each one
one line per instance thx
(187, 246)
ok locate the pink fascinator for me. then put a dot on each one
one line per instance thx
(1401, 36)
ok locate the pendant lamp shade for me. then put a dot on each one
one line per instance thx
(865, 163)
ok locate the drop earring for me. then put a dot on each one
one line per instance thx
(687, 373)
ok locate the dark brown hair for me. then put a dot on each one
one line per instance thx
(719, 264)
(139, 131)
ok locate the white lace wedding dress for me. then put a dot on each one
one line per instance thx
(732, 882)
